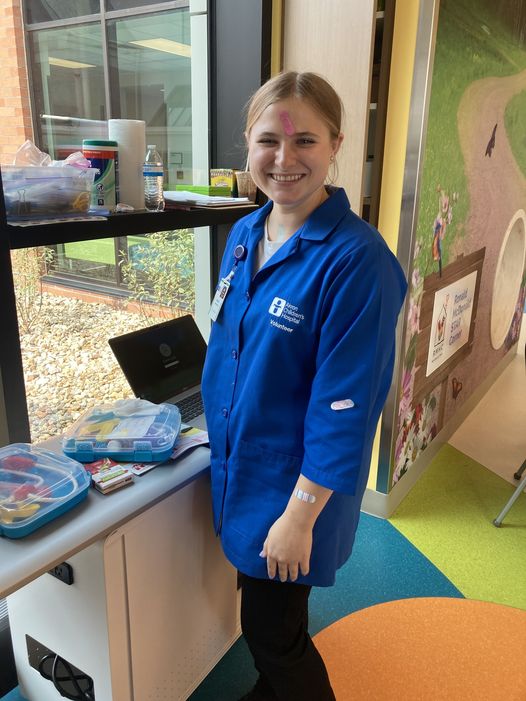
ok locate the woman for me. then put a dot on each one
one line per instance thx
(299, 364)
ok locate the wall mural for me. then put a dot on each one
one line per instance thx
(468, 283)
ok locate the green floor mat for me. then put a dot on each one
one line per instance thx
(448, 516)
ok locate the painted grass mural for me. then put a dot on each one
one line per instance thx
(473, 184)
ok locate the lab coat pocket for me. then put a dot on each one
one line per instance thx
(259, 486)
(267, 466)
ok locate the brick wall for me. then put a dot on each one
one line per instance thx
(15, 111)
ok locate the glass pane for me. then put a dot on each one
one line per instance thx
(68, 81)
(154, 269)
(51, 10)
(93, 260)
(64, 332)
(129, 4)
(150, 67)
(159, 273)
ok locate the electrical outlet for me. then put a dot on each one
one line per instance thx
(64, 572)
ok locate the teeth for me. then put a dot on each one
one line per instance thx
(286, 178)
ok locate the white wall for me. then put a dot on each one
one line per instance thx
(335, 39)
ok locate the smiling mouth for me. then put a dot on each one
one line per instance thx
(280, 178)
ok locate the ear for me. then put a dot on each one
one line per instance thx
(245, 134)
(337, 143)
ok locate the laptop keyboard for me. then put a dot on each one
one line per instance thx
(190, 407)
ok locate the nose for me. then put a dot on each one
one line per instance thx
(285, 155)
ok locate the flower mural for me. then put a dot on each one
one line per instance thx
(418, 427)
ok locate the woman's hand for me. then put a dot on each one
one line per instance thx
(288, 544)
(288, 547)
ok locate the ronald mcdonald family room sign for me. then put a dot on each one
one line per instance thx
(450, 325)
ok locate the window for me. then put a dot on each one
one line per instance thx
(150, 74)
(133, 60)
(68, 85)
(53, 10)
(123, 4)
(122, 66)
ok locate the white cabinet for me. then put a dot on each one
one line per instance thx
(152, 609)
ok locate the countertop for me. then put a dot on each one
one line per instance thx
(24, 559)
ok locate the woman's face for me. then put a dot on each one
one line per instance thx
(290, 149)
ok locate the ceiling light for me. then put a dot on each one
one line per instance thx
(69, 64)
(166, 45)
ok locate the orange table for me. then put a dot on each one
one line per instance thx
(427, 649)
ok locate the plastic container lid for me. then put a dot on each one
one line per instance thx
(36, 486)
(133, 430)
(83, 176)
(99, 142)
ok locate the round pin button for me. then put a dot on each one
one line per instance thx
(240, 252)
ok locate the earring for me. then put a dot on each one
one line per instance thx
(332, 158)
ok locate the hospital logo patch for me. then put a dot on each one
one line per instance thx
(289, 315)
(277, 306)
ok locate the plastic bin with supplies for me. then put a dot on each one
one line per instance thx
(46, 191)
(133, 430)
(36, 486)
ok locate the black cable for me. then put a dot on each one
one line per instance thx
(74, 679)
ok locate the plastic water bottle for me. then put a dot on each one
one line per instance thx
(153, 180)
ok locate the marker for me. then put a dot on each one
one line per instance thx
(288, 126)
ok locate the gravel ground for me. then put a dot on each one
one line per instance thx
(68, 364)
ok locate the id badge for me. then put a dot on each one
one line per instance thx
(219, 298)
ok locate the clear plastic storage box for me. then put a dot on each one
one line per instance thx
(46, 191)
(36, 486)
(132, 430)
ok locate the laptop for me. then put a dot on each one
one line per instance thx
(164, 363)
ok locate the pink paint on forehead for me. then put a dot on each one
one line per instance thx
(288, 126)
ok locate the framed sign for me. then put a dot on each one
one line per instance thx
(447, 320)
(450, 326)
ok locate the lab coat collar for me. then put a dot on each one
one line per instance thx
(327, 216)
(320, 223)
(318, 226)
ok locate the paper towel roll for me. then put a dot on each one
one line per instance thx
(130, 134)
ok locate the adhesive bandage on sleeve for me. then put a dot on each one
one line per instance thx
(342, 404)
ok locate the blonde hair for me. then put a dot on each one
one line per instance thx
(310, 87)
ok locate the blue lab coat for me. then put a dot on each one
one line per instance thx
(314, 326)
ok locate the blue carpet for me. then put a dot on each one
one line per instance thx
(13, 696)
(384, 566)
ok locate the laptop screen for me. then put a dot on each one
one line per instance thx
(162, 361)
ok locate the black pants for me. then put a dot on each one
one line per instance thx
(274, 620)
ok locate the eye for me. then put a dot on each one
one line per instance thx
(305, 141)
(266, 141)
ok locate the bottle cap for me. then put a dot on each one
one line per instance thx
(151, 146)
